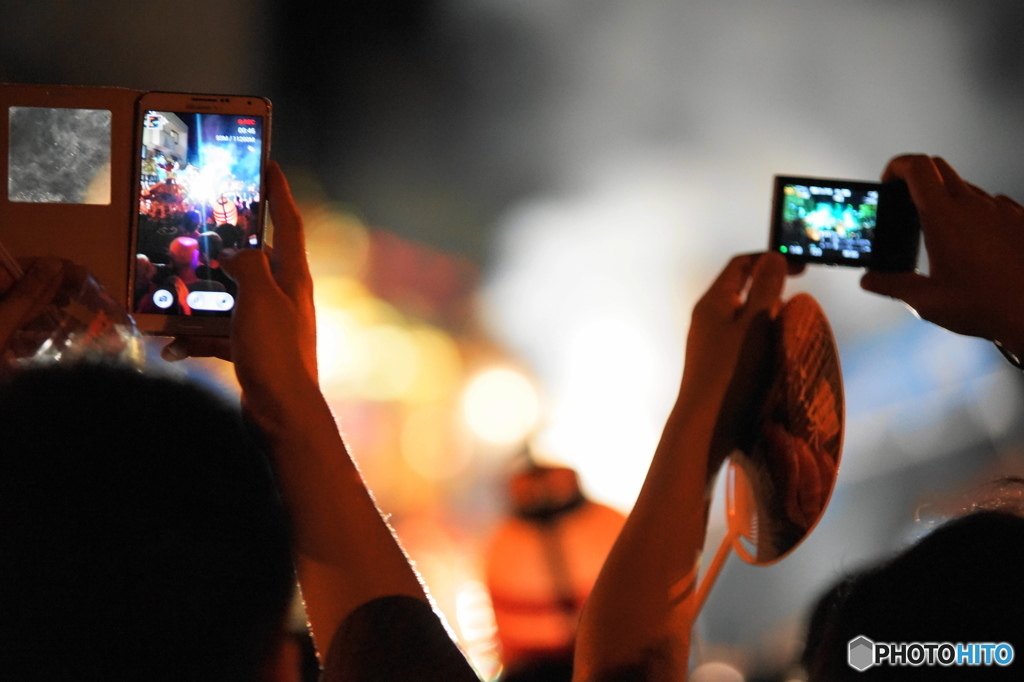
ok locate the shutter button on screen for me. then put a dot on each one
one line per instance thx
(211, 300)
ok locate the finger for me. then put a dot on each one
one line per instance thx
(724, 297)
(251, 270)
(29, 296)
(1006, 203)
(184, 347)
(289, 238)
(974, 189)
(767, 281)
(917, 291)
(955, 185)
(732, 280)
(923, 179)
(897, 167)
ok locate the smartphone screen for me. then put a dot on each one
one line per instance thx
(200, 190)
(844, 222)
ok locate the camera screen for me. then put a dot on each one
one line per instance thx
(826, 221)
(199, 193)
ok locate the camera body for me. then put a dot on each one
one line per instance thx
(845, 222)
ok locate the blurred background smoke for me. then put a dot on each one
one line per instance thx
(575, 172)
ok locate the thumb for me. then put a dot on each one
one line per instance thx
(767, 282)
(917, 291)
(249, 268)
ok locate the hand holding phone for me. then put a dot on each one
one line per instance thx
(845, 222)
(273, 335)
(200, 188)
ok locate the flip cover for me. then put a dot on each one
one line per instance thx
(53, 137)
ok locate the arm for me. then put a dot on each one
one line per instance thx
(346, 553)
(975, 244)
(639, 615)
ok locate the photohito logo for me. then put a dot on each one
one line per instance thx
(864, 653)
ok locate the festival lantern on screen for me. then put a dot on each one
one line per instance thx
(225, 212)
(542, 563)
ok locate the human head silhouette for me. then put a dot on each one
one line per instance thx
(141, 535)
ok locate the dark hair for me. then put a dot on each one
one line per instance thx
(962, 583)
(141, 534)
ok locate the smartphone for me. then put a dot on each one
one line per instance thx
(845, 222)
(200, 163)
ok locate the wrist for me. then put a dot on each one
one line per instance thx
(684, 456)
(287, 410)
(701, 393)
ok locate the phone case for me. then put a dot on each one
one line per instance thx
(42, 222)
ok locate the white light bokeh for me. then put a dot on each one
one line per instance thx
(501, 406)
(338, 347)
(475, 618)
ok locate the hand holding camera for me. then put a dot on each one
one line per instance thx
(974, 242)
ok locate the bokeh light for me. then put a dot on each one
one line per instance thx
(501, 406)
(475, 618)
(430, 444)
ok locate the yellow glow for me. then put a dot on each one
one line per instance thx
(440, 367)
(368, 311)
(475, 617)
(337, 239)
(341, 355)
(353, 297)
(501, 406)
(429, 446)
(338, 292)
(367, 349)
(394, 361)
